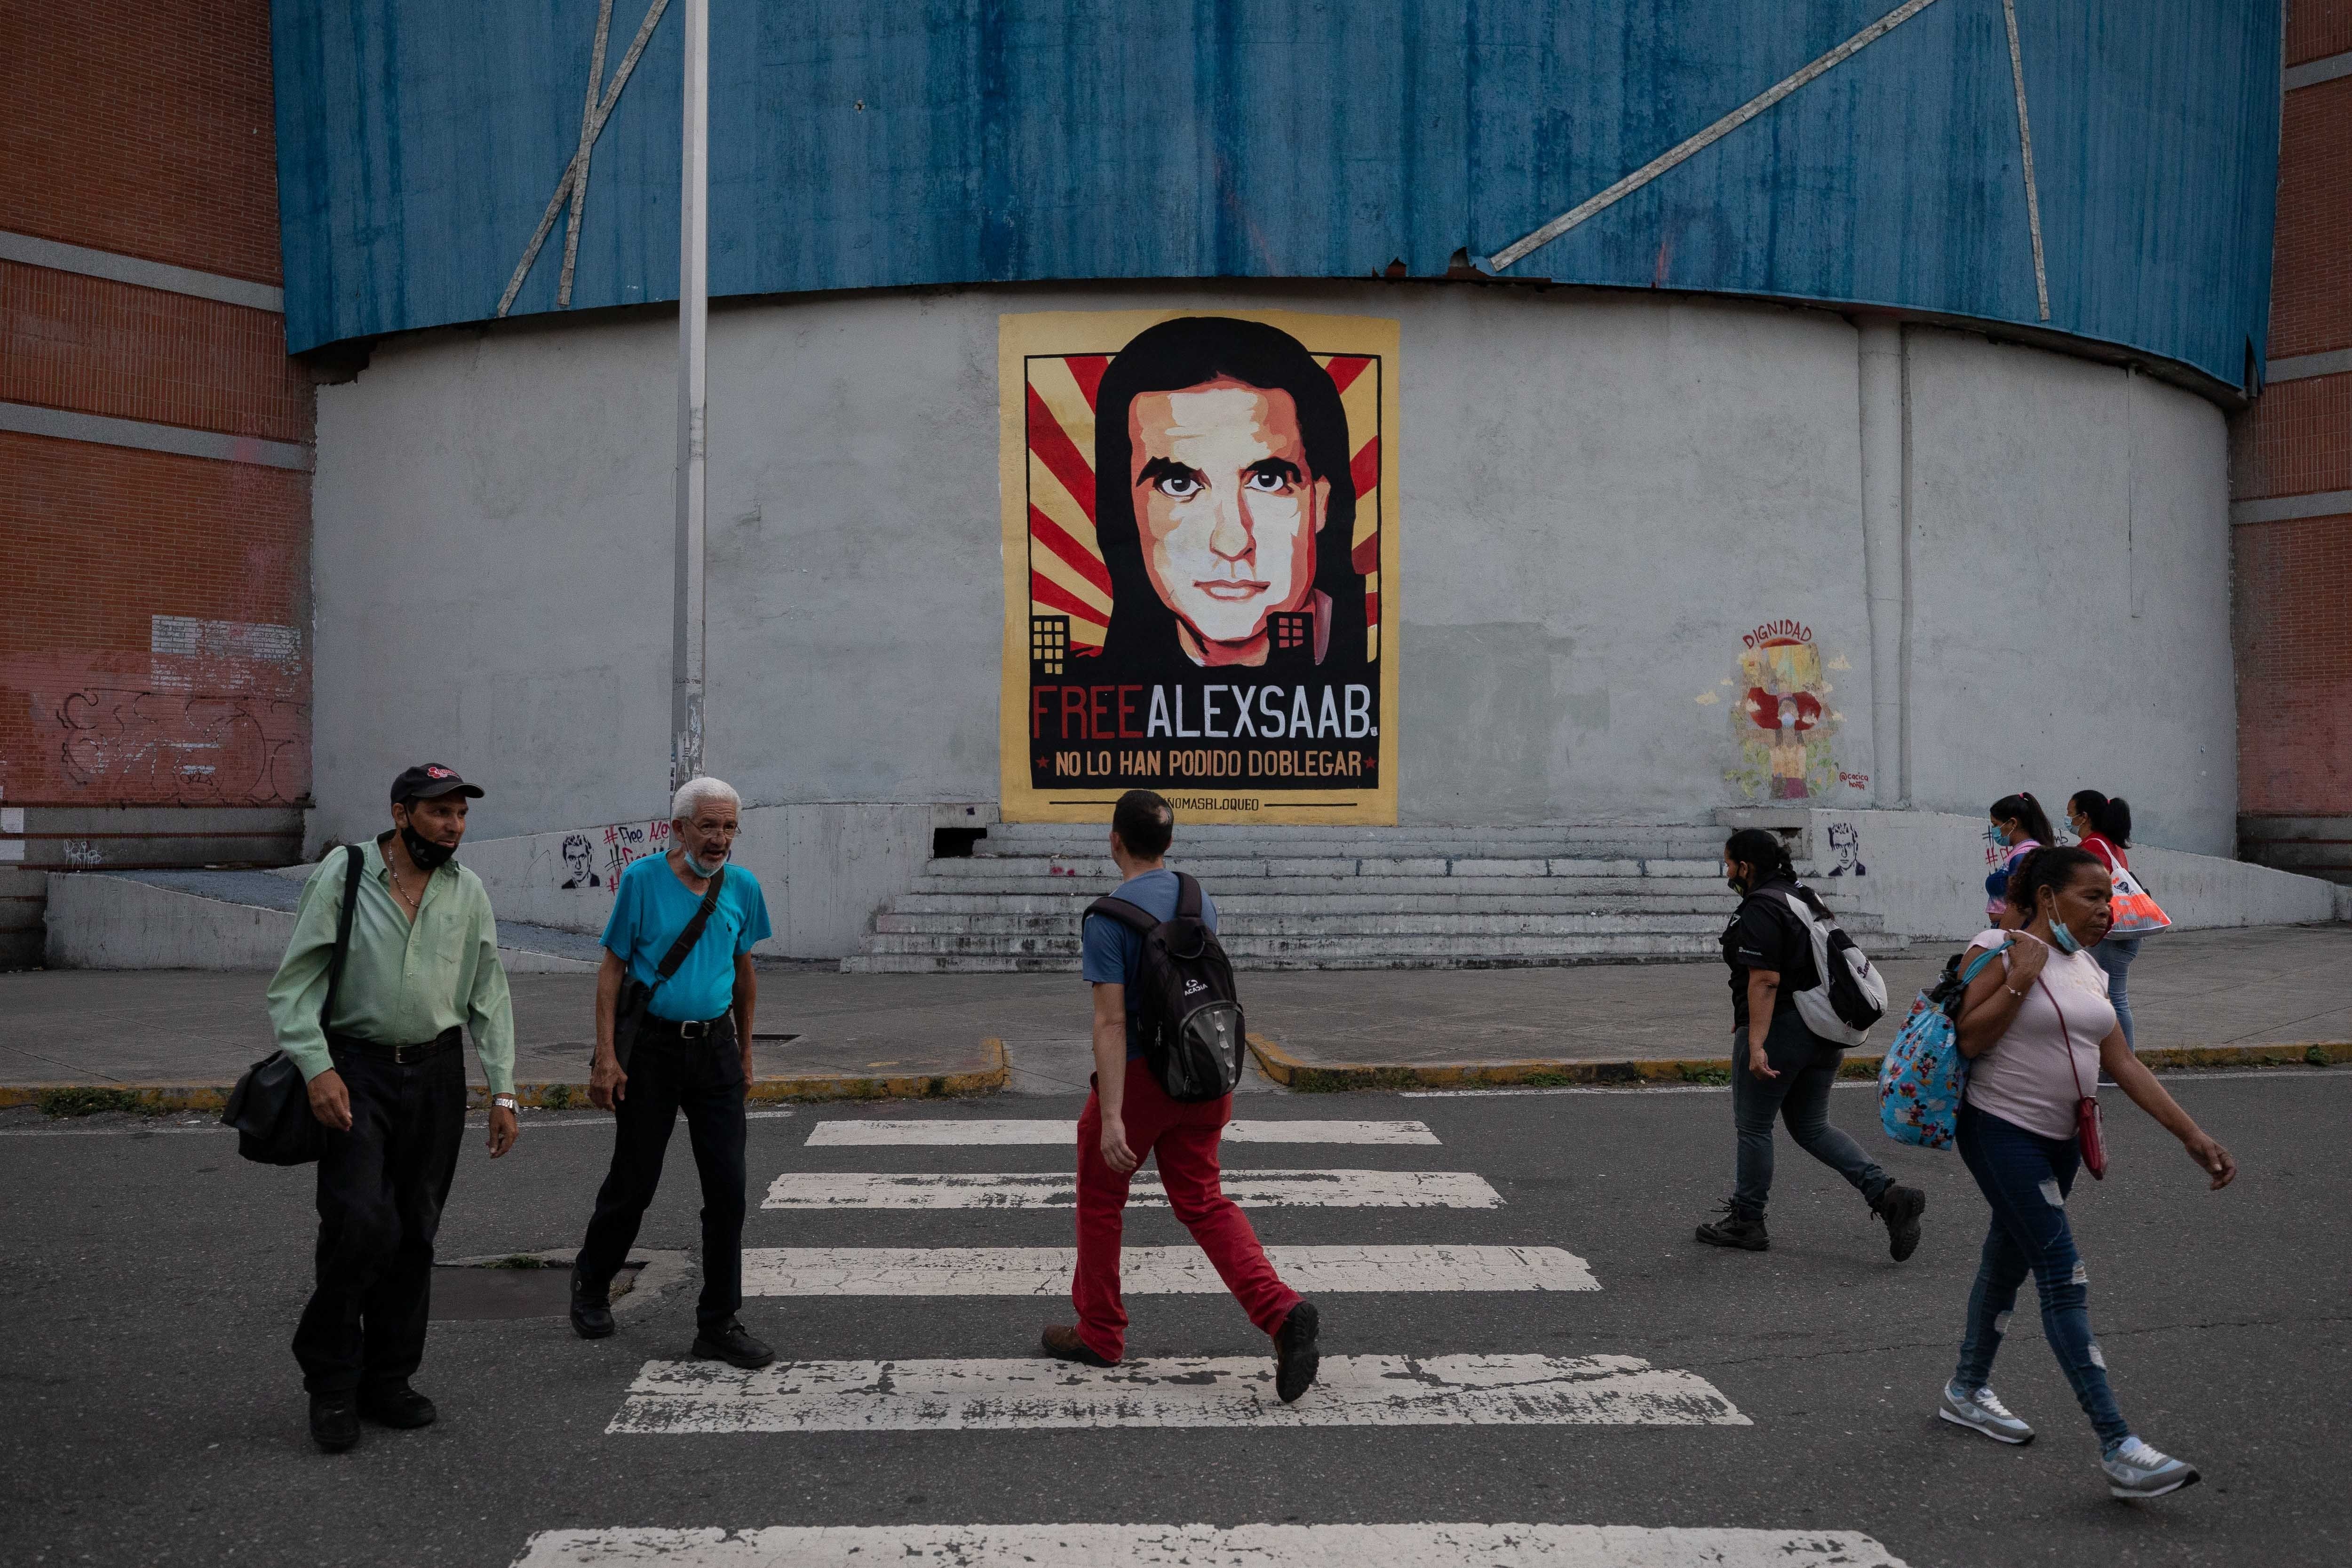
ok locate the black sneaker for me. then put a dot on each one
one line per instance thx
(334, 1422)
(1062, 1343)
(732, 1343)
(1735, 1229)
(591, 1309)
(1900, 1208)
(1295, 1353)
(397, 1404)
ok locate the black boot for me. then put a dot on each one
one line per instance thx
(1900, 1208)
(732, 1343)
(396, 1404)
(1297, 1355)
(591, 1309)
(1744, 1232)
(335, 1421)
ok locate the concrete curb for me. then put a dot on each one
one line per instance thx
(155, 1098)
(1332, 1078)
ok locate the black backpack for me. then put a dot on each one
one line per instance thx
(1192, 1024)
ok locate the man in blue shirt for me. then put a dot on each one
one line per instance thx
(691, 1052)
(1129, 1116)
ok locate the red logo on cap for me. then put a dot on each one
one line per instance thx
(439, 772)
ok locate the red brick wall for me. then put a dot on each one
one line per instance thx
(101, 347)
(142, 126)
(2293, 580)
(2317, 28)
(2312, 251)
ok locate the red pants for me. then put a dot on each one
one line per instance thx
(1184, 1139)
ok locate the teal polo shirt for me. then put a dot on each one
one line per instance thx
(653, 906)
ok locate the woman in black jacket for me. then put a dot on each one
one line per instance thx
(1778, 1067)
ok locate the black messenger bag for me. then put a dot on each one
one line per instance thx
(1194, 1036)
(637, 996)
(270, 1106)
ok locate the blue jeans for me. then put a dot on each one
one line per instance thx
(2026, 1178)
(1807, 1064)
(2115, 956)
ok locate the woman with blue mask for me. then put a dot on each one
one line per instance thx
(2037, 1027)
(2019, 826)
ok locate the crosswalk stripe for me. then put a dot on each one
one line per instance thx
(1180, 1545)
(942, 1132)
(1035, 1394)
(1057, 1190)
(1044, 1271)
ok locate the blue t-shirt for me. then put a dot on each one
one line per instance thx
(1112, 951)
(653, 906)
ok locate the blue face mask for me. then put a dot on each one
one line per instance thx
(2061, 938)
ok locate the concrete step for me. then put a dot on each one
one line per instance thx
(1331, 887)
(1575, 900)
(1456, 947)
(1682, 838)
(1237, 927)
(1292, 953)
(1216, 871)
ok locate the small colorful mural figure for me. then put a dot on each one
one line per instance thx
(1782, 718)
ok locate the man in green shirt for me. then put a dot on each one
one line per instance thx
(388, 1083)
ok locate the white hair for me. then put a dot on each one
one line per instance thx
(693, 792)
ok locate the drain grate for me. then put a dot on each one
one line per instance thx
(477, 1294)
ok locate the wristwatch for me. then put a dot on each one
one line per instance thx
(503, 1101)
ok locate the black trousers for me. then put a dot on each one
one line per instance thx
(704, 1079)
(381, 1188)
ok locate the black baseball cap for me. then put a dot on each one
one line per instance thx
(430, 781)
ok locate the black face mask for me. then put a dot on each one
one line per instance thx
(427, 854)
(1738, 885)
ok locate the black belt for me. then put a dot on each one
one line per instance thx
(447, 1039)
(654, 1028)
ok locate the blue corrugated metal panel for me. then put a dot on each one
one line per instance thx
(865, 143)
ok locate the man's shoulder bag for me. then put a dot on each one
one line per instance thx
(1194, 1036)
(270, 1106)
(637, 996)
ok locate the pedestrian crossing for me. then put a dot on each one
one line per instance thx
(940, 1133)
(1202, 1545)
(1361, 1385)
(1058, 1190)
(1044, 1271)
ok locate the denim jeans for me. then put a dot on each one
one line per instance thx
(1807, 1064)
(2115, 956)
(703, 1077)
(2026, 1178)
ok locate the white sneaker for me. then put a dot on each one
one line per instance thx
(2136, 1470)
(1982, 1412)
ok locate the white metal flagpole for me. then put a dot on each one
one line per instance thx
(687, 642)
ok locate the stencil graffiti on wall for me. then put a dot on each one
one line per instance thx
(580, 862)
(1845, 850)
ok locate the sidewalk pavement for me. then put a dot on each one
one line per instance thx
(2200, 998)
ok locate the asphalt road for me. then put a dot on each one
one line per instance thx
(154, 1415)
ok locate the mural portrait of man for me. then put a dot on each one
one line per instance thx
(1239, 505)
(1199, 522)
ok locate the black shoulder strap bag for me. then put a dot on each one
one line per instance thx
(270, 1106)
(637, 996)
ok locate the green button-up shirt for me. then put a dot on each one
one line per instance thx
(404, 982)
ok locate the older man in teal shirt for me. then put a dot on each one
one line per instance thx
(387, 1082)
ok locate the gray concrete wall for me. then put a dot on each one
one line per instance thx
(1601, 494)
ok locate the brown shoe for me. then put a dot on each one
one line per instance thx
(1062, 1343)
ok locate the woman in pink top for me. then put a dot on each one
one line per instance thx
(2036, 1027)
(2104, 825)
(2020, 823)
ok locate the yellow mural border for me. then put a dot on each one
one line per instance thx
(1056, 332)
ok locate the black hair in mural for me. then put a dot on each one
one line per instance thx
(1187, 352)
